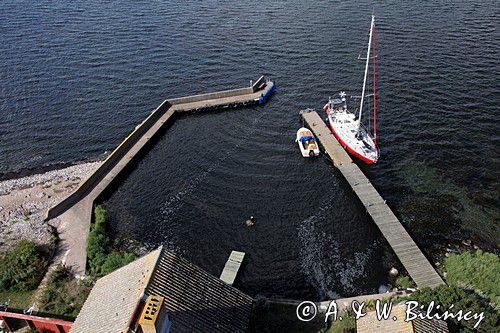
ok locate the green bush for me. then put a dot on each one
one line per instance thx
(464, 300)
(404, 282)
(346, 325)
(23, 267)
(102, 258)
(478, 271)
(63, 294)
(100, 215)
(473, 286)
(97, 245)
(371, 304)
(116, 260)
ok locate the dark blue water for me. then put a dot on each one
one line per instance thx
(75, 77)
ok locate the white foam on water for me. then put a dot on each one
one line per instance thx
(325, 274)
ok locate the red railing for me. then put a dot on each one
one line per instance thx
(40, 324)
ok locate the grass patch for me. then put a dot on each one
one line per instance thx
(63, 294)
(465, 300)
(18, 299)
(404, 282)
(473, 286)
(478, 271)
(346, 325)
(23, 267)
(103, 257)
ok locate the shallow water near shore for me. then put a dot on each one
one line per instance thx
(77, 76)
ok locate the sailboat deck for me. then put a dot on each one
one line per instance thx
(414, 261)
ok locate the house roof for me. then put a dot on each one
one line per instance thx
(197, 301)
(194, 300)
(114, 298)
(369, 323)
(429, 326)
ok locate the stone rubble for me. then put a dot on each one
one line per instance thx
(24, 203)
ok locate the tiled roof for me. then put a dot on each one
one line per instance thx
(429, 326)
(370, 324)
(113, 299)
(197, 301)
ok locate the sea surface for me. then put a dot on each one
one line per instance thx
(77, 76)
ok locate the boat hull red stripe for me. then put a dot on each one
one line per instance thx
(349, 149)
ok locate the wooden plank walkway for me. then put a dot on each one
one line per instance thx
(417, 265)
(232, 267)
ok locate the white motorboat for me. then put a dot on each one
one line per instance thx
(307, 143)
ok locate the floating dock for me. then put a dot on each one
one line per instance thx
(72, 216)
(232, 267)
(417, 265)
(257, 93)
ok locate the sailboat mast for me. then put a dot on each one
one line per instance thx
(366, 72)
(374, 87)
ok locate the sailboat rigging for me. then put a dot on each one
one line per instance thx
(348, 129)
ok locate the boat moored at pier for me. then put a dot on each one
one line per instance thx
(347, 128)
(307, 143)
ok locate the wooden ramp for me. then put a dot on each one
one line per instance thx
(417, 265)
(232, 267)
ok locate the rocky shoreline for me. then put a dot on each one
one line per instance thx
(24, 202)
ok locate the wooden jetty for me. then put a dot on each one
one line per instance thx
(417, 265)
(73, 214)
(232, 267)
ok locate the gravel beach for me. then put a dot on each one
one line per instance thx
(24, 202)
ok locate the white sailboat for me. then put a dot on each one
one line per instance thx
(348, 129)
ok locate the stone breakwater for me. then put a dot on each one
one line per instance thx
(24, 201)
